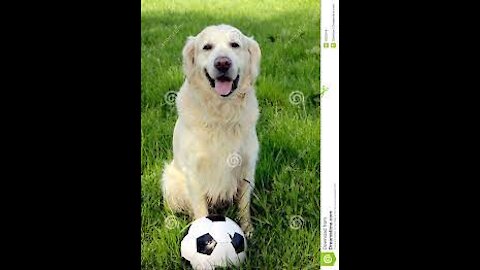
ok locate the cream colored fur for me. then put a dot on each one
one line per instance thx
(213, 133)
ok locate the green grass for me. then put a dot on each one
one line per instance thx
(288, 171)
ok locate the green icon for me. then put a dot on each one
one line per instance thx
(323, 89)
(333, 45)
(327, 259)
(325, 45)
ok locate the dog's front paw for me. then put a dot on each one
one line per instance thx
(248, 230)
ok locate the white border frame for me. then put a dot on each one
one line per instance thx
(329, 210)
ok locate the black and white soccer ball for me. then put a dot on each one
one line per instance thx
(214, 240)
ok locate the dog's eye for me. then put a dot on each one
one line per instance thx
(234, 45)
(207, 47)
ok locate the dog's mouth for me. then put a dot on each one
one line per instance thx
(223, 85)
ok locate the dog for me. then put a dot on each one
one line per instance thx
(215, 144)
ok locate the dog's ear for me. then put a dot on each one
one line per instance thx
(188, 56)
(255, 56)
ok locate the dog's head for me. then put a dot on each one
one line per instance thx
(221, 59)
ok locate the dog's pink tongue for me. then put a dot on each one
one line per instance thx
(223, 88)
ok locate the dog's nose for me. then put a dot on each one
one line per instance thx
(223, 63)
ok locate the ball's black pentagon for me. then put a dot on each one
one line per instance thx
(216, 217)
(206, 244)
(238, 242)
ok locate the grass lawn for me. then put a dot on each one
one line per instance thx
(286, 202)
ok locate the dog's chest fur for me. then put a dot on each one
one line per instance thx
(227, 129)
(225, 158)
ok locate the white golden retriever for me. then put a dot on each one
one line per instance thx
(215, 145)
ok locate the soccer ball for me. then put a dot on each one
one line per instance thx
(214, 240)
